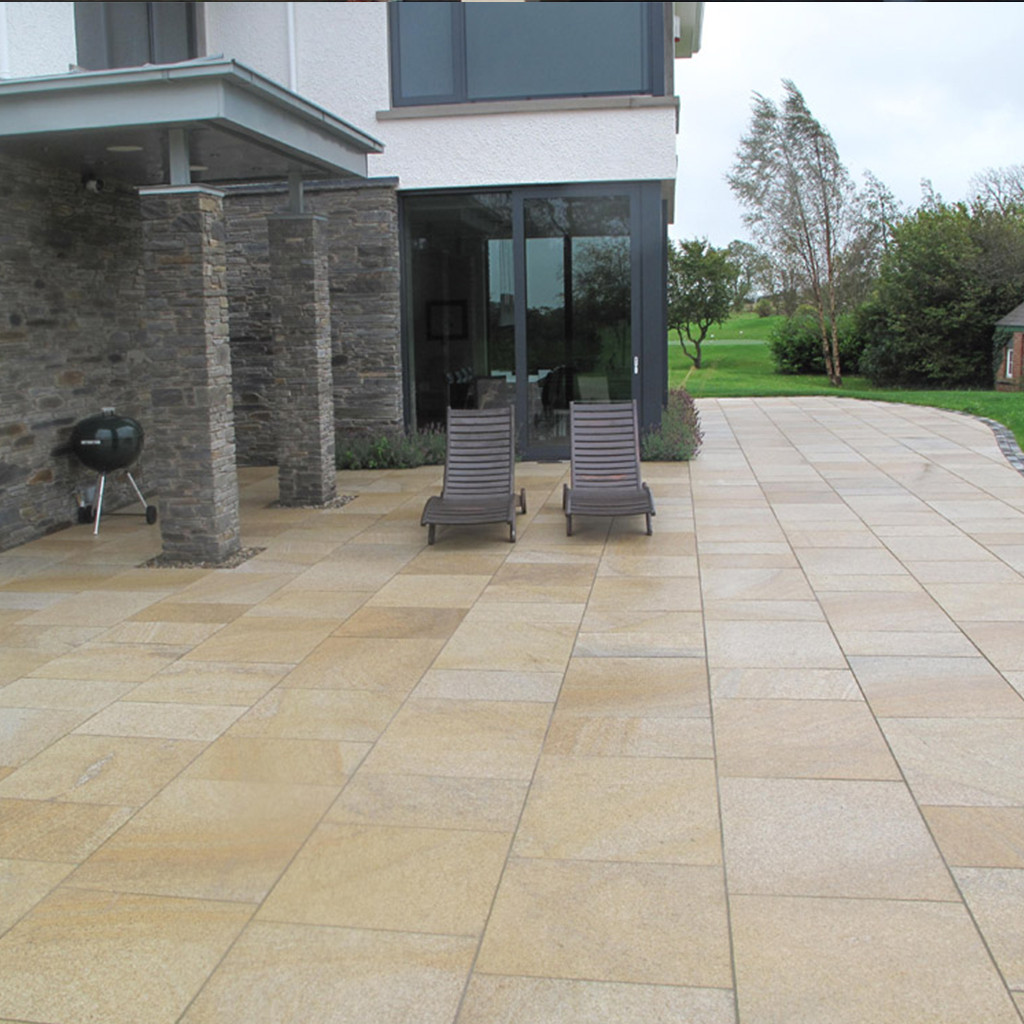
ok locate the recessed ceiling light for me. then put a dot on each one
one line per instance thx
(124, 149)
(198, 167)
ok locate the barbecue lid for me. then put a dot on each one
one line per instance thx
(107, 441)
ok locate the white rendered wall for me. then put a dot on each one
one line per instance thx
(39, 39)
(342, 65)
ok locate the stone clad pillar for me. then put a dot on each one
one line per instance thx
(192, 437)
(303, 382)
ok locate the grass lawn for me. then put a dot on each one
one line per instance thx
(737, 362)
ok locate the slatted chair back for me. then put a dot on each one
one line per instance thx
(605, 445)
(480, 459)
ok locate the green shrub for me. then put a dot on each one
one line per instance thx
(796, 344)
(396, 450)
(679, 437)
(764, 306)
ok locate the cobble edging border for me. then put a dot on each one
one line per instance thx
(1006, 441)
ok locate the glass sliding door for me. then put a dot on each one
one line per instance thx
(537, 298)
(460, 318)
(578, 318)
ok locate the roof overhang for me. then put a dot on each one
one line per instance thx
(211, 121)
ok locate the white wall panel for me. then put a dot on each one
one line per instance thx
(40, 38)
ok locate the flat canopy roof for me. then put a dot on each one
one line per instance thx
(205, 121)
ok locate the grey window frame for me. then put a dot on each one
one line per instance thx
(656, 82)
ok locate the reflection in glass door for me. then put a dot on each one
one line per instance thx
(578, 335)
(516, 297)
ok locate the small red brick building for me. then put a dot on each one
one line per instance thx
(1010, 361)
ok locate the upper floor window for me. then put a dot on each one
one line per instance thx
(460, 53)
(125, 35)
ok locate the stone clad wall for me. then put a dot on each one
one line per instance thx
(70, 331)
(363, 278)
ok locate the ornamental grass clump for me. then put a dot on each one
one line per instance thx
(397, 450)
(679, 437)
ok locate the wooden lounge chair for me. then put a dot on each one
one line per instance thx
(605, 473)
(479, 472)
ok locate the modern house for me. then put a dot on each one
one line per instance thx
(256, 227)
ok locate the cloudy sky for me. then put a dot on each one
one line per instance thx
(907, 90)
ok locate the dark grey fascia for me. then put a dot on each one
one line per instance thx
(219, 96)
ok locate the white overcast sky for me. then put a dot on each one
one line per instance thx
(907, 90)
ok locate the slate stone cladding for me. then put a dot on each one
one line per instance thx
(189, 363)
(304, 413)
(70, 328)
(363, 282)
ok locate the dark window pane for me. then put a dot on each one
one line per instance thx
(173, 39)
(128, 35)
(555, 49)
(426, 50)
(125, 35)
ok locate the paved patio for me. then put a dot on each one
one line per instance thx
(764, 766)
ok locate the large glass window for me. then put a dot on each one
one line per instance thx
(534, 298)
(125, 35)
(458, 53)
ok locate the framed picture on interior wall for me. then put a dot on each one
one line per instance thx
(446, 320)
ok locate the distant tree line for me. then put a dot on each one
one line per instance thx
(906, 297)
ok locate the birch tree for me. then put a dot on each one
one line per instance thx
(801, 204)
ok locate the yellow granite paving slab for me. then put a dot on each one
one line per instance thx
(27, 731)
(928, 687)
(584, 735)
(631, 688)
(273, 759)
(308, 604)
(265, 640)
(477, 739)
(819, 837)
(126, 771)
(208, 839)
(385, 877)
(960, 761)
(779, 644)
(514, 646)
(210, 682)
(113, 662)
(900, 962)
(384, 665)
(640, 810)
(423, 801)
(291, 974)
(173, 610)
(785, 684)
(68, 694)
(23, 883)
(491, 998)
(356, 715)
(52, 831)
(987, 837)
(481, 684)
(402, 621)
(800, 739)
(661, 924)
(162, 720)
(995, 897)
(117, 958)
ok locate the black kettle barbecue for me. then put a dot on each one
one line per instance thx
(108, 442)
